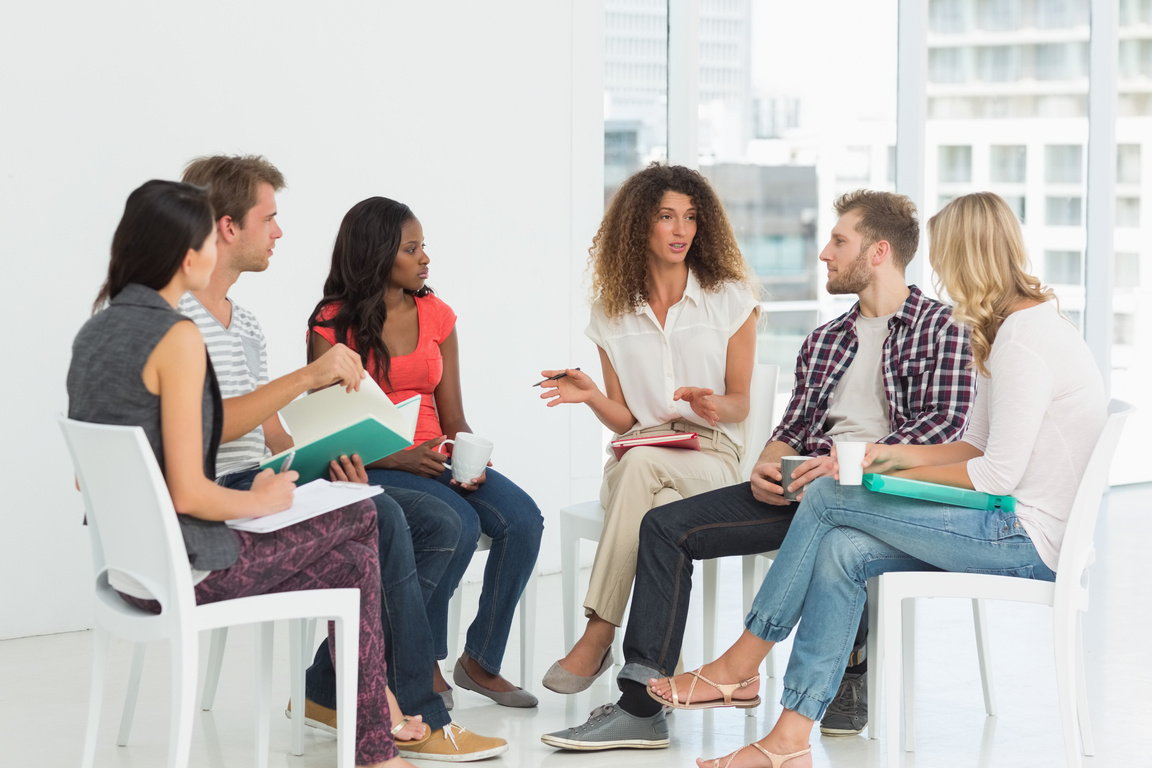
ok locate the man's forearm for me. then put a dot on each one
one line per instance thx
(774, 451)
(244, 413)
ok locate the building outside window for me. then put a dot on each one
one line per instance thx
(1063, 211)
(1063, 164)
(1063, 268)
(955, 165)
(1008, 164)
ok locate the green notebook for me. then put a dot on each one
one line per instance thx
(944, 494)
(330, 423)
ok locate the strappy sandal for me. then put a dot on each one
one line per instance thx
(410, 742)
(725, 690)
(776, 760)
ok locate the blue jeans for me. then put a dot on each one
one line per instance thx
(843, 535)
(500, 509)
(417, 538)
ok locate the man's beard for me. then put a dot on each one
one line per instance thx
(854, 279)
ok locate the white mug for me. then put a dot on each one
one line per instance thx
(850, 457)
(470, 456)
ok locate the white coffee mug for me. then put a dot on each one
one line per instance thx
(850, 457)
(470, 456)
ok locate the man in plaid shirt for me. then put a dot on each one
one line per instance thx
(894, 369)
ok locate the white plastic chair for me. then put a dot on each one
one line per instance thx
(893, 619)
(134, 531)
(527, 615)
(301, 640)
(586, 519)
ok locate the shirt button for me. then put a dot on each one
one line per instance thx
(1016, 525)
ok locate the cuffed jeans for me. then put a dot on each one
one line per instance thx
(843, 535)
(500, 509)
(417, 536)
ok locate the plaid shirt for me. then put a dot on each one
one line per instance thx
(927, 377)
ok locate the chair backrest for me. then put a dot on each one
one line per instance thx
(1076, 549)
(761, 412)
(131, 519)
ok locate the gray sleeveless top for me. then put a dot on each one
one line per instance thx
(106, 386)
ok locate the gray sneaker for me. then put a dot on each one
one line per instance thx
(610, 727)
(847, 715)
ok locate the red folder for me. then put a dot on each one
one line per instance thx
(684, 440)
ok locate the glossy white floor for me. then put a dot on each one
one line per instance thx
(44, 689)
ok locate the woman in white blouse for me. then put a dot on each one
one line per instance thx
(674, 319)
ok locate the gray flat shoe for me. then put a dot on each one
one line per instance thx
(518, 698)
(561, 680)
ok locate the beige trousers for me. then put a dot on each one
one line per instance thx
(648, 477)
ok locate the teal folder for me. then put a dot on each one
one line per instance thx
(944, 494)
(370, 439)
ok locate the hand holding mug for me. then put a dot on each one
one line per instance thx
(469, 457)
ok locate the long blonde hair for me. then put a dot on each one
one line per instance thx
(618, 257)
(977, 250)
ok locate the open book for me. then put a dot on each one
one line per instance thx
(332, 422)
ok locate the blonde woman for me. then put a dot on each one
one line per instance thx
(1040, 406)
(674, 321)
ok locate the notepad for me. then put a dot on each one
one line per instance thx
(943, 494)
(308, 501)
(685, 440)
(332, 423)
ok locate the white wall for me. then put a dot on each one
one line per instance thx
(484, 117)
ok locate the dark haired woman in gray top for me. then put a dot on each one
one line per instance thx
(139, 362)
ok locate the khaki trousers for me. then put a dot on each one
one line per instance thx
(648, 477)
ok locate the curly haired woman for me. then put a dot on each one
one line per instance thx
(674, 319)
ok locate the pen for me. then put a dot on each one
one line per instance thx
(287, 462)
(553, 378)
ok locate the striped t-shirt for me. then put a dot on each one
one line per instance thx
(240, 356)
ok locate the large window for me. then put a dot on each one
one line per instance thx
(635, 87)
(782, 132)
(784, 128)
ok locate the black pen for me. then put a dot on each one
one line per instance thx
(553, 378)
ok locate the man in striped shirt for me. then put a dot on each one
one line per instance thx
(418, 533)
(893, 369)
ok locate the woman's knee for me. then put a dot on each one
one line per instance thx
(839, 555)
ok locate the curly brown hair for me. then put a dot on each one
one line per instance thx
(618, 257)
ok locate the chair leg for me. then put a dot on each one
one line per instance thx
(875, 655)
(569, 565)
(1084, 716)
(132, 694)
(347, 662)
(1064, 640)
(298, 650)
(263, 690)
(95, 695)
(455, 606)
(983, 653)
(891, 620)
(710, 598)
(215, 661)
(908, 638)
(527, 630)
(184, 651)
